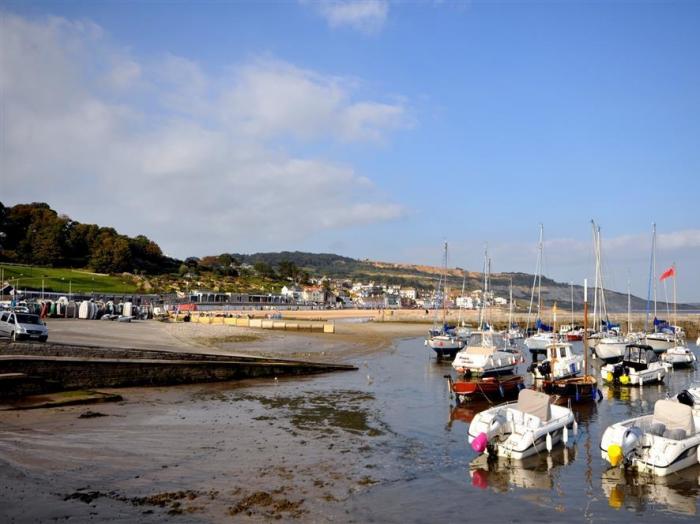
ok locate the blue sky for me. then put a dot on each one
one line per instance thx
(372, 129)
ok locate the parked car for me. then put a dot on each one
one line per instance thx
(18, 326)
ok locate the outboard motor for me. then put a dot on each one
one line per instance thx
(631, 438)
(545, 368)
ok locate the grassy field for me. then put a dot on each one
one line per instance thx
(60, 280)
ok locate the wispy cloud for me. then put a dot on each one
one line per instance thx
(164, 147)
(367, 16)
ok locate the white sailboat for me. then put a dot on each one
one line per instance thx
(660, 339)
(442, 340)
(609, 345)
(538, 342)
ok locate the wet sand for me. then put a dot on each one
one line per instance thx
(258, 450)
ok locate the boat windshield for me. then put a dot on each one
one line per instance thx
(483, 338)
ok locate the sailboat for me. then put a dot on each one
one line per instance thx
(679, 355)
(441, 339)
(608, 343)
(662, 337)
(484, 355)
(539, 341)
(513, 332)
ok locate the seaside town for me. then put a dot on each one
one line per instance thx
(349, 261)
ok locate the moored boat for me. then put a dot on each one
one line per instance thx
(639, 366)
(483, 356)
(492, 388)
(660, 443)
(679, 356)
(520, 429)
(560, 362)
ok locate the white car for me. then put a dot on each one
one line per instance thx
(18, 326)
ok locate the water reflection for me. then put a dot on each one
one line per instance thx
(677, 493)
(535, 472)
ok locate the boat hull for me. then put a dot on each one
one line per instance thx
(488, 387)
(660, 342)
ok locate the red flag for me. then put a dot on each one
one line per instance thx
(670, 272)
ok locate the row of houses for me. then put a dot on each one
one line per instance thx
(345, 293)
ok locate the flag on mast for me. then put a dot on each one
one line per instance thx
(670, 272)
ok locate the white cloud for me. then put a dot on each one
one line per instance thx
(363, 15)
(171, 151)
(271, 98)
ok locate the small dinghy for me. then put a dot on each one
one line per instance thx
(679, 356)
(520, 429)
(502, 387)
(660, 443)
(639, 366)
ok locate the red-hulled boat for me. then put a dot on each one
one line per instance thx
(493, 388)
(578, 389)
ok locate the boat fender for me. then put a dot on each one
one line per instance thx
(575, 427)
(480, 442)
(614, 455)
(566, 434)
(625, 379)
(549, 442)
(600, 394)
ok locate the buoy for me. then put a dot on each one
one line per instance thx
(625, 379)
(549, 442)
(609, 376)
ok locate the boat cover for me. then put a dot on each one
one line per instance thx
(535, 403)
(674, 415)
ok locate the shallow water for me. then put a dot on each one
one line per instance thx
(443, 478)
(382, 444)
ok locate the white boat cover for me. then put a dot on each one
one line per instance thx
(536, 404)
(674, 415)
(479, 350)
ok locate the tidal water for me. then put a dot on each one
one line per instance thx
(381, 444)
(442, 478)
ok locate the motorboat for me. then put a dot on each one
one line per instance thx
(661, 443)
(679, 356)
(520, 429)
(639, 366)
(482, 356)
(560, 362)
(493, 388)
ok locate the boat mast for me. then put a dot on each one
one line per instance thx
(653, 263)
(675, 301)
(539, 274)
(460, 322)
(444, 292)
(572, 305)
(585, 327)
(595, 285)
(483, 296)
(629, 308)
(652, 273)
(510, 307)
(534, 283)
